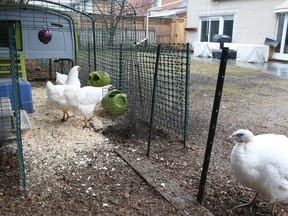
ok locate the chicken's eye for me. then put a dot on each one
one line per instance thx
(240, 134)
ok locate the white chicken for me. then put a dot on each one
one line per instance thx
(61, 79)
(83, 101)
(261, 163)
(55, 93)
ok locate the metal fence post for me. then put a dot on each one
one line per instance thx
(153, 99)
(16, 102)
(188, 50)
(213, 123)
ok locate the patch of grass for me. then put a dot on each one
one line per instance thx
(211, 69)
(239, 81)
(232, 90)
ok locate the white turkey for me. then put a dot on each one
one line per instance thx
(55, 93)
(261, 163)
(83, 101)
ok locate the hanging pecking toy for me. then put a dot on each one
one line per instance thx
(44, 35)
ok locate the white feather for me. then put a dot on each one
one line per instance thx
(84, 101)
(55, 93)
(61, 79)
(261, 163)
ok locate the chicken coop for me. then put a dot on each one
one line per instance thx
(54, 36)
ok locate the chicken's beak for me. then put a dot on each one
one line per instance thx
(111, 88)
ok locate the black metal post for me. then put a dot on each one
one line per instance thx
(153, 99)
(213, 123)
(120, 67)
(188, 50)
(94, 41)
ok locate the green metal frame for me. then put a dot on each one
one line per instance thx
(16, 101)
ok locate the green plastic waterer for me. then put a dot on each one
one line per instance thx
(115, 103)
(98, 78)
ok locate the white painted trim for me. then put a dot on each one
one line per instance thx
(231, 12)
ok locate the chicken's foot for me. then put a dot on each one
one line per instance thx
(250, 204)
(65, 117)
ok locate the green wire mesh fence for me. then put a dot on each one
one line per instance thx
(107, 42)
(10, 103)
(16, 102)
(132, 70)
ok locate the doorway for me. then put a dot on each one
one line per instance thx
(281, 51)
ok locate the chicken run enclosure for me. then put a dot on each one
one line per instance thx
(155, 77)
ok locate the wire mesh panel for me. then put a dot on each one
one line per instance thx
(6, 117)
(132, 69)
(7, 123)
(16, 102)
(171, 89)
(10, 102)
(144, 63)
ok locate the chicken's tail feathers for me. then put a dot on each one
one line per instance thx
(49, 89)
(49, 86)
(61, 79)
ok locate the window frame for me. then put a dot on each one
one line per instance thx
(220, 19)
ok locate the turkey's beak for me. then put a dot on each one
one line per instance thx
(229, 138)
(79, 68)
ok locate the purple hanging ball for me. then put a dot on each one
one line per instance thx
(45, 36)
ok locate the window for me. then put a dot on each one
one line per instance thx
(281, 25)
(184, 3)
(4, 37)
(157, 3)
(214, 28)
(228, 27)
(215, 25)
(281, 36)
(204, 28)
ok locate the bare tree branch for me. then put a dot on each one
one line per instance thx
(112, 12)
(14, 1)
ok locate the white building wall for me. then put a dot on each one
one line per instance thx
(254, 20)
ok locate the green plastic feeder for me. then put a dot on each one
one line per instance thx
(98, 78)
(115, 103)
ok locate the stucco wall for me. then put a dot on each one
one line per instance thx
(254, 20)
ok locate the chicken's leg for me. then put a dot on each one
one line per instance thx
(85, 122)
(65, 117)
(251, 203)
(274, 209)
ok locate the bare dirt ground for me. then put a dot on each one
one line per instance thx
(75, 171)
